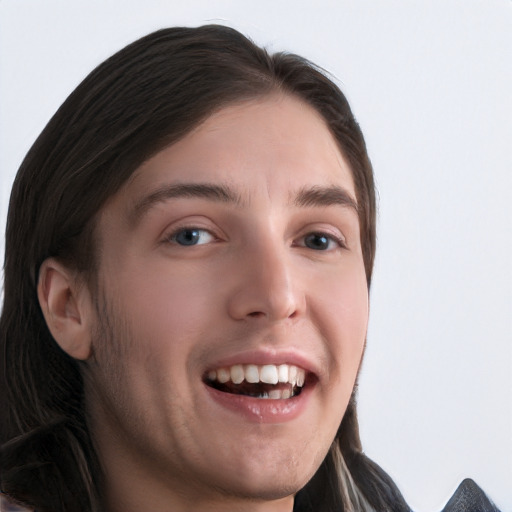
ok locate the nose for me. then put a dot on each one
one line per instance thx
(266, 285)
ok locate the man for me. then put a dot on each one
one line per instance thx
(188, 256)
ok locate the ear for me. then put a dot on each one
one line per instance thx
(66, 308)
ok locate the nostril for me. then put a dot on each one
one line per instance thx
(256, 314)
(260, 314)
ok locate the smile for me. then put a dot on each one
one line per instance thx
(269, 381)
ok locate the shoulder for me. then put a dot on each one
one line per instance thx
(469, 498)
(8, 506)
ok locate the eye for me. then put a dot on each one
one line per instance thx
(191, 236)
(322, 242)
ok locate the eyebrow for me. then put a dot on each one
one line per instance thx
(316, 196)
(325, 196)
(213, 192)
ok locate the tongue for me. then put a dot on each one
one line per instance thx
(246, 388)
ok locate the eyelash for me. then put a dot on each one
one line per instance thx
(171, 238)
(339, 241)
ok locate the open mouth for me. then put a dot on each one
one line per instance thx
(272, 382)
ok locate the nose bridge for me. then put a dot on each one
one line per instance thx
(267, 282)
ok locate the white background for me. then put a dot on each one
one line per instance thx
(430, 83)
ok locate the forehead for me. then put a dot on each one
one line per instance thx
(267, 148)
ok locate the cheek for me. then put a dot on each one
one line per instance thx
(167, 314)
(353, 309)
(154, 317)
(163, 304)
(343, 308)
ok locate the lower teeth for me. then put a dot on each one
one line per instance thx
(275, 395)
(264, 394)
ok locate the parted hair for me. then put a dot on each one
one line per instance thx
(142, 99)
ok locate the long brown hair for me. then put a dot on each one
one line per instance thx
(143, 98)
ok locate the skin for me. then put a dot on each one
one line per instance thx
(164, 313)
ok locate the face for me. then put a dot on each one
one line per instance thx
(232, 309)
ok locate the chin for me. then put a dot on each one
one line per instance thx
(266, 481)
(265, 489)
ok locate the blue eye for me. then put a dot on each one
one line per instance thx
(191, 236)
(320, 242)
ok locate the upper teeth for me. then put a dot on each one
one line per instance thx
(253, 373)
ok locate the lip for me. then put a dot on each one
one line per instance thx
(259, 410)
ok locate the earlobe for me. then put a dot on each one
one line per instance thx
(65, 308)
